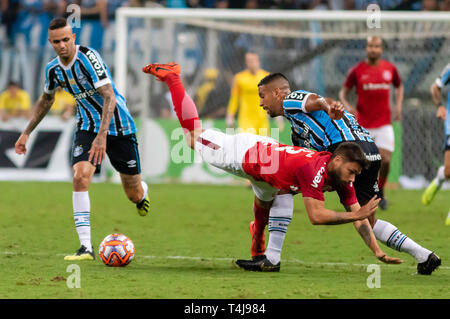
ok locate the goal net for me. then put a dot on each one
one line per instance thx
(314, 49)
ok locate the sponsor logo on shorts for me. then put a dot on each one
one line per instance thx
(373, 158)
(131, 163)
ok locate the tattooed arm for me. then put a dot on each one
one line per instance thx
(41, 109)
(364, 229)
(98, 148)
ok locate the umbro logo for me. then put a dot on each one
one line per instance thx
(131, 163)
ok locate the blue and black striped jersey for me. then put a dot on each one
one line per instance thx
(441, 81)
(81, 78)
(316, 130)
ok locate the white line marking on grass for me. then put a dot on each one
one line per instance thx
(289, 261)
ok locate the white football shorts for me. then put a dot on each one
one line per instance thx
(226, 151)
(383, 137)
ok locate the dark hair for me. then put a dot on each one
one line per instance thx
(352, 152)
(57, 23)
(272, 77)
(13, 83)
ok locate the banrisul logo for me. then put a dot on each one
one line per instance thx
(98, 67)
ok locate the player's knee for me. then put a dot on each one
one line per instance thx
(447, 172)
(81, 181)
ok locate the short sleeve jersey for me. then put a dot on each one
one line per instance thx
(292, 168)
(373, 85)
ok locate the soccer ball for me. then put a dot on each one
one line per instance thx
(116, 250)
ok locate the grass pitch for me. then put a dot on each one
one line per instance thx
(185, 247)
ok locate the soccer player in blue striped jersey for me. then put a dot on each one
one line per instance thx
(443, 112)
(104, 126)
(322, 124)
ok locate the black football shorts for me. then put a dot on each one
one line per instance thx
(366, 183)
(122, 151)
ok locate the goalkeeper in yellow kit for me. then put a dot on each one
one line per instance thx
(244, 99)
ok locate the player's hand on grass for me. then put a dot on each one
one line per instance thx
(97, 152)
(368, 209)
(336, 110)
(441, 112)
(388, 260)
(20, 146)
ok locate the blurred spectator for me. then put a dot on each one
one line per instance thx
(64, 105)
(95, 10)
(211, 97)
(221, 4)
(251, 4)
(430, 5)
(54, 8)
(14, 102)
(445, 5)
(10, 10)
(113, 5)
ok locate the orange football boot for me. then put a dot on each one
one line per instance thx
(162, 70)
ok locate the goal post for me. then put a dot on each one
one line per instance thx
(315, 49)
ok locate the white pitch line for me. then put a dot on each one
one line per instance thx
(293, 260)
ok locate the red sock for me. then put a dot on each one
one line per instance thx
(261, 219)
(184, 106)
(381, 182)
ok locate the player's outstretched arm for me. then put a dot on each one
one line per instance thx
(365, 231)
(319, 215)
(42, 107)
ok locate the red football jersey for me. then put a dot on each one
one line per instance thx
(373, 86)
(293, 168)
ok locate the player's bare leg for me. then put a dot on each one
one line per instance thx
(386, 157)
(82, 177)
(136, 190)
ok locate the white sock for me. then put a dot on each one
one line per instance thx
(145, 187)
(440, 176)
(279, 218)
(81, 215)
(393, 238)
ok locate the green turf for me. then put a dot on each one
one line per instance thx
(185, 246)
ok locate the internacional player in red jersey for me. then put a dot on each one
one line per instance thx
(272, 167)
(373, 79)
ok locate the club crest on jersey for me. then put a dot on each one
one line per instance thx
(387, 75)
(99, 70)
(78, 151)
